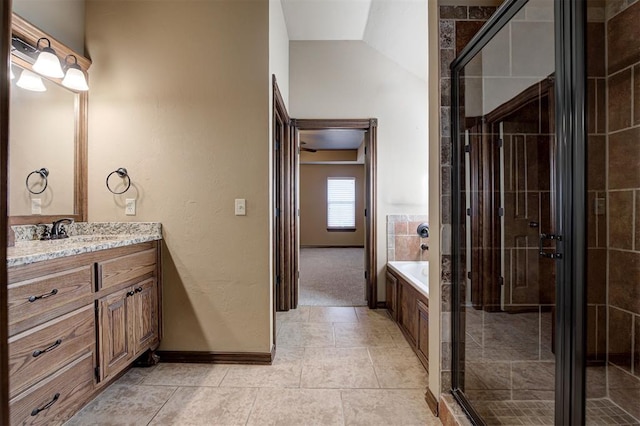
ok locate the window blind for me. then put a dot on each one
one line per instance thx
(341, 202)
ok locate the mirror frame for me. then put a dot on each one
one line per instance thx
(29, 33)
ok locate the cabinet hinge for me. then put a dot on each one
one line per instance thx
(366, 275)
(365, 212)
(97, 372)
(365, 150)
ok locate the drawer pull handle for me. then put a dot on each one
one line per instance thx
(39, 352)
(43, 296)
(130, 293)
(46, 406)
(139, 289)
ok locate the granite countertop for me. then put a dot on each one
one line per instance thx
(84, 237)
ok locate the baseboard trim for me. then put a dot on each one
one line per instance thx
(432, 402)
(201, 357)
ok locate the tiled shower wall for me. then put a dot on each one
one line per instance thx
(622, 31)
(457, 25)
(403, 241)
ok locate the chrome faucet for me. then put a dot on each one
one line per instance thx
(58, 231)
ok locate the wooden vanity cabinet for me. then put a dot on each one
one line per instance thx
(70, 334)
(410, 309)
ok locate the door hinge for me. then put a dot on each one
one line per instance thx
(365, 212)
(467, 148)
(500, 143)
(366, 275)
(468, 212)
(549, 255)
(365, 150)
(277, 212)
(469, 274)
(276, 146)
(501, 281)
(500, 211)
(277, 280)
(298, 212)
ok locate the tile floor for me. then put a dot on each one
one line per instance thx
(333, 366)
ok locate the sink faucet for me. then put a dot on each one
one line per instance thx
(57, 230)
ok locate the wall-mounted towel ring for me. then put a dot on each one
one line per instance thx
(122, 172)
(44, 174)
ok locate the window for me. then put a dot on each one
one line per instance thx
(341, 203)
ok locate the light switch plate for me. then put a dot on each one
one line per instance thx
(241, 207)
(130, 207)
(36, 206)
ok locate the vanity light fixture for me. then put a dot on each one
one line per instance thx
(74, 79)
(47, 63)
(31, 81)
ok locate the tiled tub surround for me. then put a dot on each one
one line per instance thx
(84, 237)
(403, 241)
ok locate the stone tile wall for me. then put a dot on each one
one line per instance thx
(457, 25)
(623, 196)
(403, 241)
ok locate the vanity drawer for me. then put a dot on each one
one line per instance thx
(43, 298)
(56, 398)
(42, 350)
(126, 269)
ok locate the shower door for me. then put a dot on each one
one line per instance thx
(518, 218)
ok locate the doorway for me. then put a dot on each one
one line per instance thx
(286, 199)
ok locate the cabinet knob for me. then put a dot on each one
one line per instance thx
(130, 293)
(139, 289)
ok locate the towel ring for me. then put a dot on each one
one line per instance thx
(44, 174)
(122, 172)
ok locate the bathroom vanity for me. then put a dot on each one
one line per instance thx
(408, 304)
(81, 310)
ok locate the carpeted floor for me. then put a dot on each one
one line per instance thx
(332, 277)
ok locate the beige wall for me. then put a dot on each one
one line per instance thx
(313, 205)
(350, 79)
(63, 19)
(180, 97)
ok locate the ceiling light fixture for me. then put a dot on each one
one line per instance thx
(31, 81)
(47, 63)
(74, 78)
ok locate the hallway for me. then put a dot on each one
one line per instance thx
(333, 366)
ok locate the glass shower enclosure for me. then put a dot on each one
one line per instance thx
(546, 214)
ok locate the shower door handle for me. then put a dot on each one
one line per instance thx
(547, 254)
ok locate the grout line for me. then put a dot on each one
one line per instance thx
(165, 403)
(252, 407)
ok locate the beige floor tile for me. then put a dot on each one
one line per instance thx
(170, 374)
(338, 368)
(123, 405)
(332, 314)
(386, 407)
(351, 335)
(395, 376)
(134, 376)
(207, 406)
(395, 356)
(366, 314)
(285, 372)
(297, 407)
(301, 314)
(301, 334)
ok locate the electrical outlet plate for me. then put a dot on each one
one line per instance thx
(130, 207)
(241, 207)
(36, 206)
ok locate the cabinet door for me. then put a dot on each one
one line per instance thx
(146, 315)
(422, 345)
(392, 293)
(116, 331)
(408, 311)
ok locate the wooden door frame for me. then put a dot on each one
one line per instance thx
(369, 125)
(285, 218)
(5, 36)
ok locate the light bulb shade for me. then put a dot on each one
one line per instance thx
(75, 80)
(31, 81)
(48, 64)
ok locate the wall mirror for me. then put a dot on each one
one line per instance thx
(47, 130)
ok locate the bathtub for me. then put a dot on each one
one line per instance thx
(415, 273)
